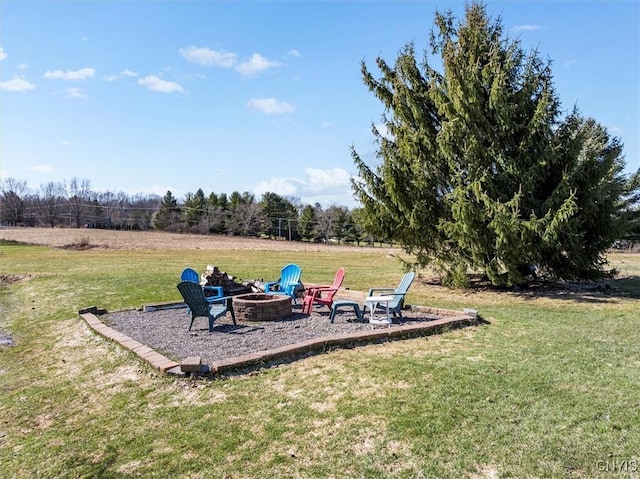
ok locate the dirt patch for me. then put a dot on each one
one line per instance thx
(8, 279)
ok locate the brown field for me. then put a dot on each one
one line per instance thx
(144, 240)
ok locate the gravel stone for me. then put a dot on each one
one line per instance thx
(166, 331)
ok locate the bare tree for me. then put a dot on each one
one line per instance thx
(139, 211)
(338, 219)
(112, 204)
(12, 196)
(246, 219)
(323, 223)
(50, 202)
(78, 198)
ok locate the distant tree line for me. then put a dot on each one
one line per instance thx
(75, 204)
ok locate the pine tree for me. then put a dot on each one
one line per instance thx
(306, 223)
(279, 212)
(168, 213)
(194, 207)
(478, 172)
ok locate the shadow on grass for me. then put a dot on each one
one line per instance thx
(627, 287)
(584, 292)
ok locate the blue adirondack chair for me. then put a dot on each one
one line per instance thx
(211, 292)
(189, 274)
(288, 283)
(396, 305)
(201, 306)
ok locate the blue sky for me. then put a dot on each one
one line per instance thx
(149, 96)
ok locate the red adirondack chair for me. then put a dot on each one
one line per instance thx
(322, 294)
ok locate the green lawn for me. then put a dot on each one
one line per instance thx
(549, 388)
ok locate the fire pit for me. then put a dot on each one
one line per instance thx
(261, 307)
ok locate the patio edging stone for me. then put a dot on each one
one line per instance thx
(171, 367)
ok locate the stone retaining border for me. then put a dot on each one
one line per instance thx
(155, 359)
(453, 319)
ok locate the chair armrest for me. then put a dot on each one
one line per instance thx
(318, 288)
(222, 299)
(317, 292)
(218, 289)
(381, 290)
(268, 286)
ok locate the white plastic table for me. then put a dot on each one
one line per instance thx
(372, 302)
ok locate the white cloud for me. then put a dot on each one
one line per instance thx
(41, 169)
(23, 66)
(256, 64)
(76, 75)
(270, 106)
(570, 62)
(327, 181)
(76, 93)
(327, 187)
(17, 84)
(65, 142)
(280, 186)
(208, 57)
(3, 55)
(155, 83)
(293, 53)
(124, 73)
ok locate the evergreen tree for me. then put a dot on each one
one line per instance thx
(306, 223)
(194, 207)
(215, 214)
(279, 213)
(477, 170)
(168, 213)
(358, 219)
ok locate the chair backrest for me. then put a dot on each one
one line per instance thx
(338, 279)
(190, 275)
(290, 277)
(405, 282)
(194, 297)
(337, 282)
(402, 289)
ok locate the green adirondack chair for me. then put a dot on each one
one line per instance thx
(201, 306)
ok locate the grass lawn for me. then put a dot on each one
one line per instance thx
(549, 388)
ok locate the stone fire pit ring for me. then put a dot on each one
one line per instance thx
(261, 307)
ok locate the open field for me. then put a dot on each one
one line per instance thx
(152, 240)
(549, 388)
